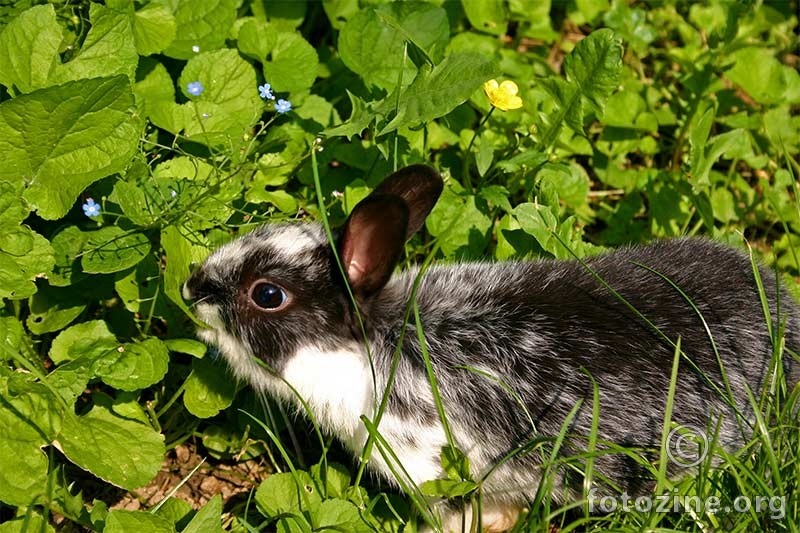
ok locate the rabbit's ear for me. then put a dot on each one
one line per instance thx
(419, 186)
(372, 241)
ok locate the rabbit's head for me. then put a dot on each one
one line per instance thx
(279, 289)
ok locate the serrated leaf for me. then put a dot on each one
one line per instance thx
(121, 451)
(209, 389)
(434, 93)
(292, 64)
(112, 249)
(593, 70)
(134, 365)
(108, 49)
(61, 139)
(204, 25)
(361, 116)
(29, 49)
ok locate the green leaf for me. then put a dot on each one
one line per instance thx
(209, 388)
(207, 519)
(338, 515)
(361, 116)
(29, 49)
(117, 449)
(122, 521)
(489, 16)
(539, 222)
(462, 227)
(138, 287)
(12, 209)
(448, 488)
(455, 463)
(179, 258)
(204, 25)
(434, 93)
(256, 38)
(284, 201)
(569, 181)
(52, 308)
(31, 522)
(23, 472)
(18, 268)
(154, 29)
(67, 246)
(334, 477)
(373, 47)
(13, 281)
(30, 417)
(229, 104)
(292, 65)
(61, 139)
(112, 249)
(762, 76)
(134, 366)
(108, 49)
(189, 346)
(17, 241)
(281, 494)
(90, 340)
(593, 70)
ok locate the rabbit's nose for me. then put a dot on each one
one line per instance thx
(199, 286)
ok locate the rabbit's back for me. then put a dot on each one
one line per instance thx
(514, 345)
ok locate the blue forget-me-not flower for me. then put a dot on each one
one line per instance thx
(91, 209)
(283, 106)
(265, 92)
(195, 88)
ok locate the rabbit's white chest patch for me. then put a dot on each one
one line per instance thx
(336, 385)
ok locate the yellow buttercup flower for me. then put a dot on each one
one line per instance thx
(503, 95)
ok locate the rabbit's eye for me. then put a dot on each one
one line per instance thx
(267, 296)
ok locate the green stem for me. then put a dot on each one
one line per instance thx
(467, 181)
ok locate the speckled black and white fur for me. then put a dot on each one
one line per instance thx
(531, 325)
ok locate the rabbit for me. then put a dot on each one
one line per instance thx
(514, 345)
